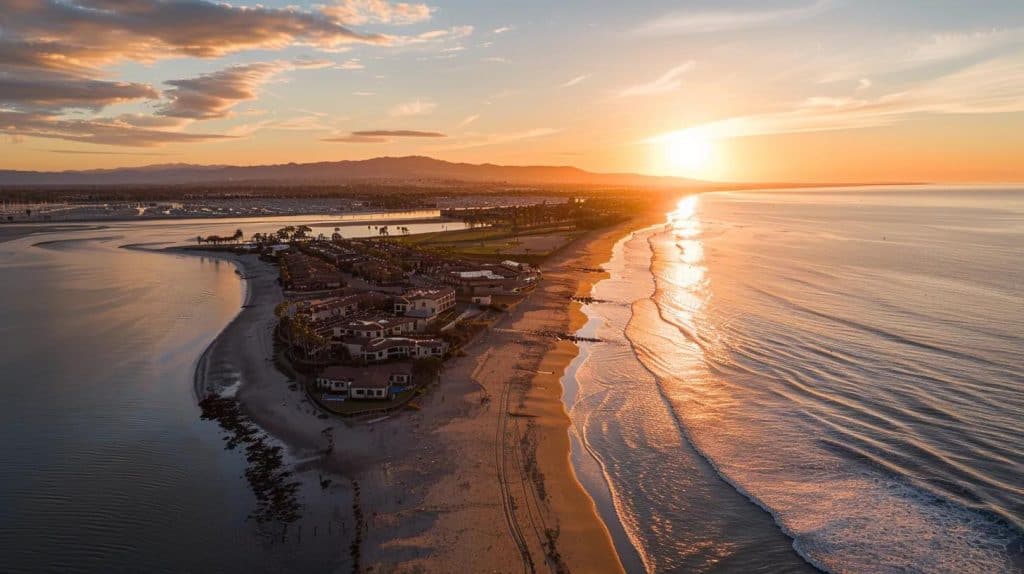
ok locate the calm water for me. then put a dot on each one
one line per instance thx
(105, 465)
(829, 375)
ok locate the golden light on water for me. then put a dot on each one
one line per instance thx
(684, 219)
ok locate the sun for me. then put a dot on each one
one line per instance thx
(687, 152)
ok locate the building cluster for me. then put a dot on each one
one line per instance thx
(483, 280)
(372, 308)
(302, 272)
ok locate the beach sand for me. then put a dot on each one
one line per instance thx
(479, 479)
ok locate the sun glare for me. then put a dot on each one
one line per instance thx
(688, 153)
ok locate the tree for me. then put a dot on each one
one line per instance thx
(199, 239)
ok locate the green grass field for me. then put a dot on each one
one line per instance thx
(496, 242)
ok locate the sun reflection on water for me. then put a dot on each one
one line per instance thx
(686, 229)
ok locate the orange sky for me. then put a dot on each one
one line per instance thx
(780, 90)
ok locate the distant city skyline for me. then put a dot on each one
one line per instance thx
(779, 90)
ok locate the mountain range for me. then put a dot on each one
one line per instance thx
(382, 169)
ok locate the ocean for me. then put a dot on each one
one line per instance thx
(831, 377)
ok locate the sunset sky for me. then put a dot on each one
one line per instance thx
(780, 90)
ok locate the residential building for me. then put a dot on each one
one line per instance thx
(377, 382)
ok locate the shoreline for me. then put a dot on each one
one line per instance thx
(432, 500)
(19, 229)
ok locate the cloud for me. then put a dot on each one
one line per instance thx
(44, 92)
(399, 134)
(468, 120)
(47, 56)
(212, 95)
(381, 136)
(575, 81)
(989, 87)
(433, 36)
(364, 94)
(351, 64)
(358, 12)
(706, 21)
(920, 54)
(503, 29)
(146, 30)
(104, 131)
(667, 82)
(413, 108)
(94, 152)
(54, 56)
(958, 45)
(355, 139)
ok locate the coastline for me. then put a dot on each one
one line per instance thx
(481, 477)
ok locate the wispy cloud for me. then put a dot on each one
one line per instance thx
(381, 136)
(503, 29)
(719, 20)
(95, 152)
(468, 120)
(957, 45)
(923, 53)
(356, 12)
(575, 81)
(993, 86)
(413, 108)
(212, 95)
(667, 82)
(114, 131)
(399, 134)
(351, 64)
(434, 36)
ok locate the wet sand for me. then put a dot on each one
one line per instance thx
(478, 479)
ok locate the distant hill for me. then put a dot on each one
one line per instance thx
(382, 169)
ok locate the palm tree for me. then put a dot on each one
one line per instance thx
(199, 239)
(237, 236)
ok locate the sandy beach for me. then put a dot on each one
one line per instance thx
(479, 479)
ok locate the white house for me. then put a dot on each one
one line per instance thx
(384, 348)
(375, 382)
(374, 328)
(334, 307)
(425, 303)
